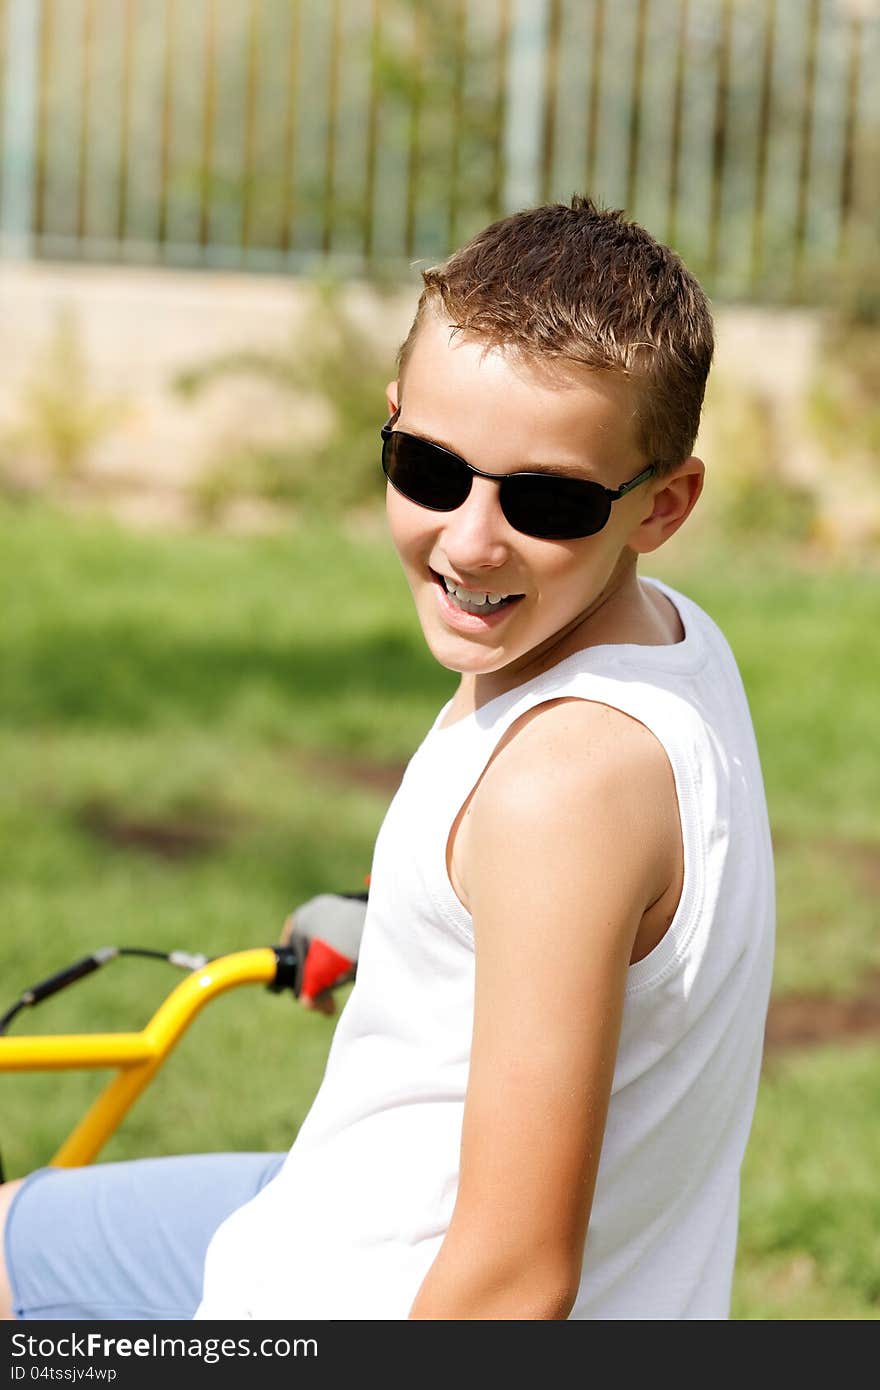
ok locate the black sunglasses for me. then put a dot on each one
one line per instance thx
(546, 505)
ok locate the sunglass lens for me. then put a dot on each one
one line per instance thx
(558, 509)
(425, 474)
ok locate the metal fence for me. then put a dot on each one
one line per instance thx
(372, 134)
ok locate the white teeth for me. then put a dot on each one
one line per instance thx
(475, 601)
(477, 598)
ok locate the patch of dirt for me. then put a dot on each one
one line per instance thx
(353, 772)
(865, 860)
(805, 1020)
(862, 856)
(167, 839)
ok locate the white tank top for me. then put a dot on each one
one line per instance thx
(355, 1217)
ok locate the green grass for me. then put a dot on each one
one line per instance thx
(218, 688)
(810, 1242)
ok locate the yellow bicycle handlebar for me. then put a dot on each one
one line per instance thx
(137, 1055)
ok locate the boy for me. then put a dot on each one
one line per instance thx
(539, 1094)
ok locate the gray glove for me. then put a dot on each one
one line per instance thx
(325, 932)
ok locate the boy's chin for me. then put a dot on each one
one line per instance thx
(454, 656)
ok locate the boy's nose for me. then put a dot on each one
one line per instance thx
(476, 535)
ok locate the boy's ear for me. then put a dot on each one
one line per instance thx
(672, 502)
(391, 394)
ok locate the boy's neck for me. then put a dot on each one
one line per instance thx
(628, 612)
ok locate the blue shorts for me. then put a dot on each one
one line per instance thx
(123, 1240)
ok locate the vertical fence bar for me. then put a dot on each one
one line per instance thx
(250, 125)
(763, 141)
(595, 97)
(677, 114)
(415, 121)
(19, 121)
(551, 97)
(719, 133)
(85, 106)
(124, 123)
(806, 142)
(458, 64)
(209, 79)
(165, 128)
(369, 217)
(332, 124)
(499, 117)
(524, 128)
(847, 169)
(289, 142)
(41, 168)
(635, 107)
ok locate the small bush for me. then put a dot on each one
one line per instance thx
(754, 496)
(844, 403)
(332, 359)
(63, 418)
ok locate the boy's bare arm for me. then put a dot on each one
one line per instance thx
(571, 835)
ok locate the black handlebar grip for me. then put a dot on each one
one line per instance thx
(68, 975)
(289, 968)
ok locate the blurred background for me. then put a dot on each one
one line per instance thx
(212, 222)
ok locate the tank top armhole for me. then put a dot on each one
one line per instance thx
(675, 944)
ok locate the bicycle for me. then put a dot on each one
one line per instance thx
(306, 966)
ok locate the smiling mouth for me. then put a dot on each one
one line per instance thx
(478, 601)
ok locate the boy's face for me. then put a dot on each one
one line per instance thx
(503, 417)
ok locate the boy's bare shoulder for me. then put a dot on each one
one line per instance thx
(571, 745)
(572, 768)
